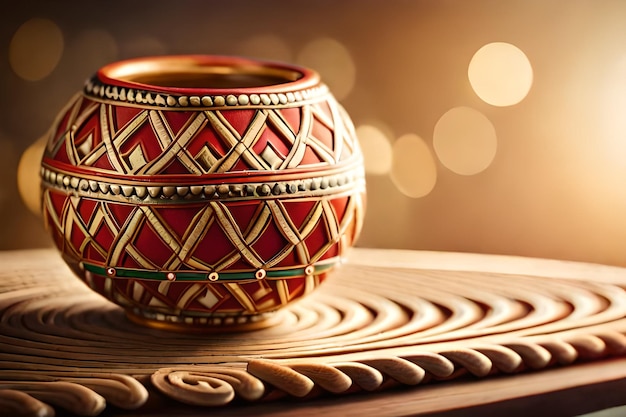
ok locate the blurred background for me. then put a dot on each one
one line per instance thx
(487, 126)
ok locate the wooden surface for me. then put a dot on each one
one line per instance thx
(393, 333)
(559, 392)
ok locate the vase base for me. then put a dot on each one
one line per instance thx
(186, 324)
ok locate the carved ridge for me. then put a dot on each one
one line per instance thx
(301, 378)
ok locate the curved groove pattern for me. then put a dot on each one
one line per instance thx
(207, 386)
(62, 345)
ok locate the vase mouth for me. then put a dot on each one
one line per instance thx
(206, 74)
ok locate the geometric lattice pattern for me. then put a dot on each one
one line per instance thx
(209, 237)
(290, 230)
(146, 142)
(213, 237)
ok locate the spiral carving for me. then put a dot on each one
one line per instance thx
(207, 385)
(63, 346)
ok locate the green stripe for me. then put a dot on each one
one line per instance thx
(203, 276)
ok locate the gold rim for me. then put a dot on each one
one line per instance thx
(207, 74)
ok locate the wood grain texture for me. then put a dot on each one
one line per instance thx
(387, 319)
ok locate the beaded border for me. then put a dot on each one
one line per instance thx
(210, 276)
(159, 193)
(97, 89)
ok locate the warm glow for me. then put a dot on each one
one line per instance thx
(500, 74)
(333, 61)
(267, 46)
(376, 149)
(92, 49)
(28, 181)
(36, 49)
(465, 141)
(143, 45)
(612, 123)
(413, 171)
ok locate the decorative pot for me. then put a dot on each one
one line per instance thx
(200, 191)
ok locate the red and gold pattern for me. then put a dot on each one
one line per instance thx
(200, 206)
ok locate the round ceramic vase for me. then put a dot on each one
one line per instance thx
(203, 191)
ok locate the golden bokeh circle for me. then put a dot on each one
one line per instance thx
(465, 141)
(376, 149)
(28, 181)
(143, 45)
(500, 74)
(35, 49)
(266, 46)
(333, 61)
(91, 49)
(414, 171)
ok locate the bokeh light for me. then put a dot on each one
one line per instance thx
(266, 46)
(500, 74)
(376, 149)
(414, 171)
(333, 61)
(90, 50)
(28, 181)
(142, 45)
(610, 105)
(35, 49)
(465, 141)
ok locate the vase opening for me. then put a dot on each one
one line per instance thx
(201, 74)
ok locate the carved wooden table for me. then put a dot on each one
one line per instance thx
(392, 333)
